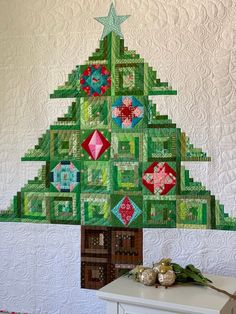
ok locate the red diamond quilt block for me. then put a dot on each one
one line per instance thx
(95, 144)
(126, 210)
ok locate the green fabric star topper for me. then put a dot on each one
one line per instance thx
(112, 22)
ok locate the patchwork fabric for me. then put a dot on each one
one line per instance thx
(128, 78)
(127, 146)
(95, 209)
(64, 208)
(162, 144)
(112, 22)
(64, 144)
(108, 253)
(65, 176)
(95, 80)
(95, 113)
(96, 177)
(126, 211)
(194, 211)
(159, 213)
(113, 163)
(127, 112)
(95, 144)
(35, 205)
(159, 178)
(126, 176)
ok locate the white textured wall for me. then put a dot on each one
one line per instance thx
(192, 44)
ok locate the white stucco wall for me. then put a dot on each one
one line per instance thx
(192, 45)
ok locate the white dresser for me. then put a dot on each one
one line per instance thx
(125, 296)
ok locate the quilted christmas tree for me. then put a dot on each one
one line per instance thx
(113, 163)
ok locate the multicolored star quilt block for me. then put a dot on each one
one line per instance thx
(65, 176)
(95, 80)
(159, 178)
(127, 111)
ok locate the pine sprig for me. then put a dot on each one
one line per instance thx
(191, 275)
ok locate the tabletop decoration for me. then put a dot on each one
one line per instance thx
(166, 273)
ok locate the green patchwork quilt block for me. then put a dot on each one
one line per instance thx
(95, 113)
(129, 78)
(127, 147)
(35, 205)
(95, 209)
(161, 144)
(96, 177)
(64, 207)
(159, 213)
(126, 177)
(64, 144)
(194, 211)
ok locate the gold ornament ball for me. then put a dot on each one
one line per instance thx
(137, 271)
(141, 269)
(148, 277)
(167, 279)
(165, 268)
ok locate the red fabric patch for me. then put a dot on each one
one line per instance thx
(159, 178)
(95, 144)
(126, 210)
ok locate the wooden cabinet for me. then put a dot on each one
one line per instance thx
(125, 296)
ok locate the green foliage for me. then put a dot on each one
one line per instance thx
(189, 274)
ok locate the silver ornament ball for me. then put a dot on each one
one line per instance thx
(148, 277)
(167, 279)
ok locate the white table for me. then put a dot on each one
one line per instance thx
(125, 296)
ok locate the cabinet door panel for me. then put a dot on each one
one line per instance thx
(112, 307)
(133, 309)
